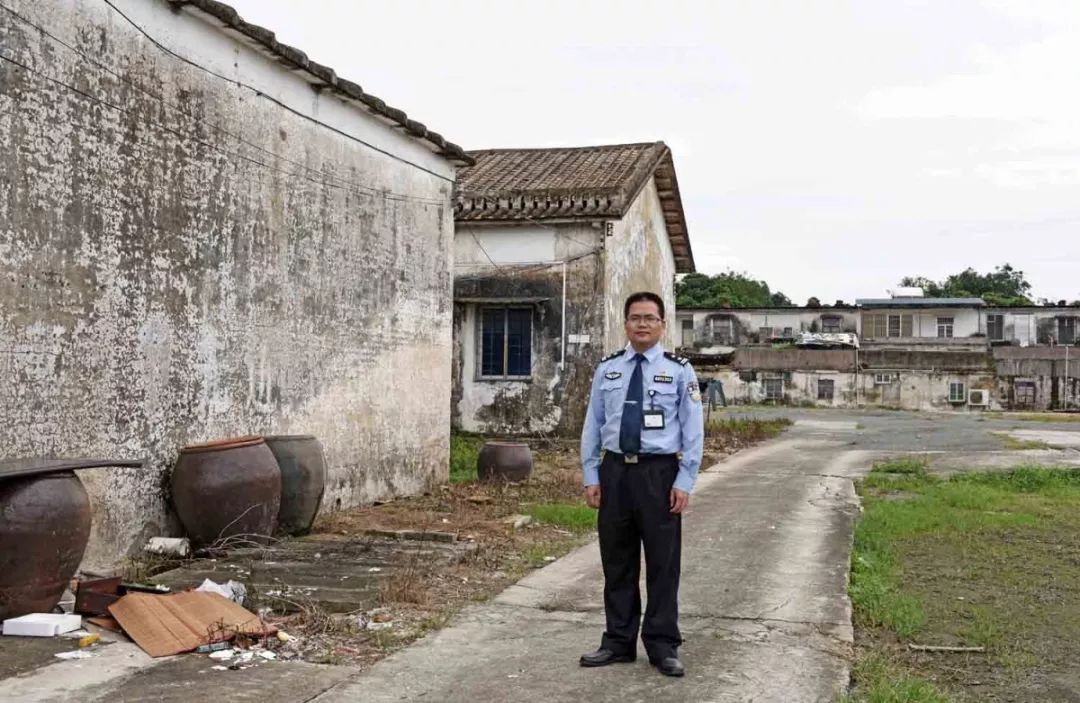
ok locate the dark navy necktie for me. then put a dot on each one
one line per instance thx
(630, 428)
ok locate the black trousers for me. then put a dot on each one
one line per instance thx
(635, 509)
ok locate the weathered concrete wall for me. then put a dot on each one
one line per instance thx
(553, 398)
(639, 258)
(163, 282)
(766, 359)
(912, 389)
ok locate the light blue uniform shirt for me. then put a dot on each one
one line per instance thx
(670, 386)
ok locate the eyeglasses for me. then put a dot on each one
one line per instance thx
(649, 320)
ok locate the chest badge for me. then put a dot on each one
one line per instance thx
(612, 375)
(662, 378)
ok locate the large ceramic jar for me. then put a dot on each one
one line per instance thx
(227, 492)
(504, 461)
(44, 528)
(303, 480)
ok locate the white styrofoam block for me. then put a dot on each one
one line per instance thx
(42, 624)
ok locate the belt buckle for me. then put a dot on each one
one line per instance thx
(630, 458)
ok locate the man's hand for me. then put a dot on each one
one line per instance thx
(592, 496)
(679, 500)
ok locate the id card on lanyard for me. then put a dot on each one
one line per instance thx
(653, 418)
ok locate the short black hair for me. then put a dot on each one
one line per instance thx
(643, 296)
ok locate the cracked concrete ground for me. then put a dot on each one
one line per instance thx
(764, 607)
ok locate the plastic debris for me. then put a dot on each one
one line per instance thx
(88, 640)
(42, 625)
(284, 636)
(223, 654)
(233, 590)
(171, 546)
(213, 647)
(76, 654)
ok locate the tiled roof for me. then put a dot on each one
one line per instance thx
(322, 76)
(594, 182)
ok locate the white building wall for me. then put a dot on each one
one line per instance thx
(639, 257)
(204, 263)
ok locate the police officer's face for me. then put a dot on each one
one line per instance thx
(644, 327)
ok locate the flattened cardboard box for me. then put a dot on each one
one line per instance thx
(172, 624)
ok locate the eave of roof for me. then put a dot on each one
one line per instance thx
(512, 202)
(261, 38)
(920, 302)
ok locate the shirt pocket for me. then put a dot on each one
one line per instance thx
(665, 396)
(611, 390)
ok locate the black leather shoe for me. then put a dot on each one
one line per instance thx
(669, 666)
(603, 657)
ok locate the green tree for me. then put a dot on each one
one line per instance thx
(1003, 286)
(727, 290)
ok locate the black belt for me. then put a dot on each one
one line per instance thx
(638, 458)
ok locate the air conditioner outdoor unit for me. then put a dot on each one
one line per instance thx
(979, 397)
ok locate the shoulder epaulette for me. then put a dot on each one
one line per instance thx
(613, 355)
(681, 360)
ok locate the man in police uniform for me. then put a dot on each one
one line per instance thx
(640, 452)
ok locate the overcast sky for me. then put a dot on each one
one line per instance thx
(829, 148)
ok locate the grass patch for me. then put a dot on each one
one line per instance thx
(576, 517)
(739, 431)
(1037, 417)
(464, 451)
(882, 682)
(981, 559)
(902, 465)
(1011, 442)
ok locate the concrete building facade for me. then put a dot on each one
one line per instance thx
(205, 234)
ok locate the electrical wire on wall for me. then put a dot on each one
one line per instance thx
(325, 179)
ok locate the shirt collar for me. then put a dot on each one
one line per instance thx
(651, 354)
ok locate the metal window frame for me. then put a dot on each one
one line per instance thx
(999, 323)
(963, 392)
(765, 384)
(480, 375)
(831, 386)
(950, 325)
(839, 324)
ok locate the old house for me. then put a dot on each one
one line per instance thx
(712, 328)
(548, 243)
(203, 234)
(911, 352)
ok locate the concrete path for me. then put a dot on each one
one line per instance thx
(764, 607)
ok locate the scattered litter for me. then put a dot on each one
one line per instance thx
(233, 590)
(223, 654)
(518, 521)
(76, 654)
(382, 617)
(180, 622)
(379, 625)
(284, 636)
(213, 647)
(88, 640)
(267, 654)
(42, 625)
(445, 521)
(480, 499)
(219, 667)
(549, 559)
(374, 570)
(170, 546)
